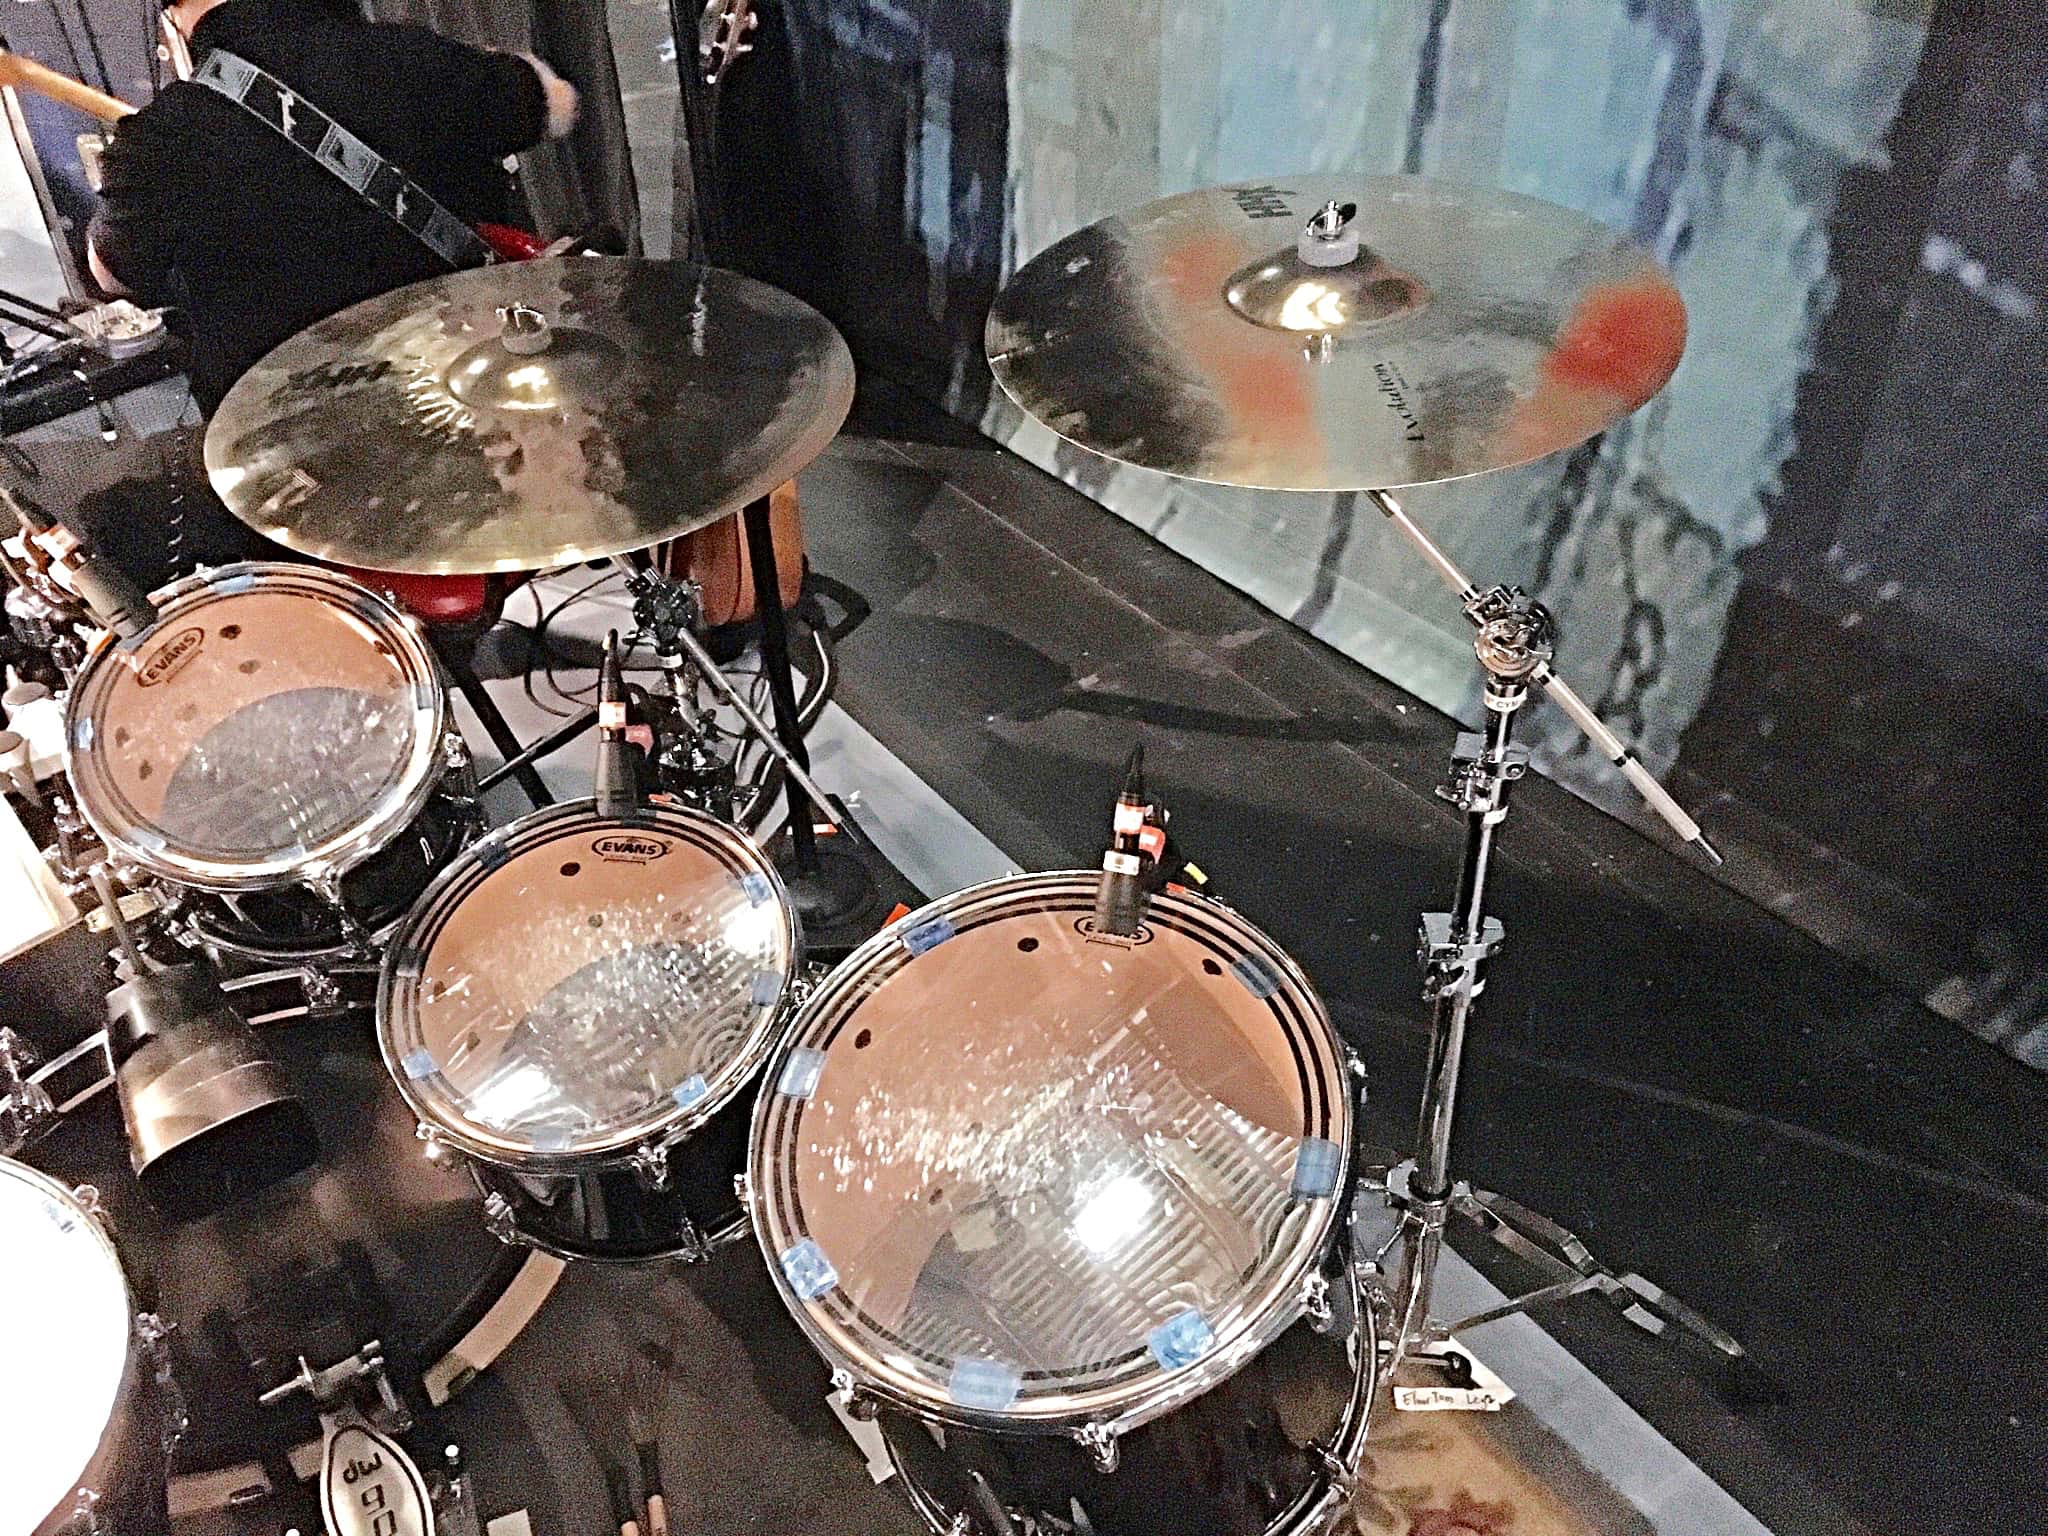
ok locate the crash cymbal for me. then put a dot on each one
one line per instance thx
(1210, 337)
(529, 414)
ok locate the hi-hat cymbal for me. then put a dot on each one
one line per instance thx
(1473, 330)
(420, 431)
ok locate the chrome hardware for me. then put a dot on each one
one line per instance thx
(500, 1222)
(24, 1103)
(1315, 1301)
(1099, 1441)
(860, 1403)
(333, 1384)
(650, 1165)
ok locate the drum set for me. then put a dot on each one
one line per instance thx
(1059, 1174)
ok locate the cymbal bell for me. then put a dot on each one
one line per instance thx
(529, 414)
(1422, 331)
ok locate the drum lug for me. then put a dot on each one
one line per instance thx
(1315, 1301)
(88, 1198)
(24, 1103)
(1343, 1479)
(650, 1165)
(1099, 1441)
(859, 1403)
(743, 1190)
(435, 1149)
(321, 991)
(454, 753)
(500, 1222)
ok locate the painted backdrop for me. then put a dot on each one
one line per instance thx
(1807, 579)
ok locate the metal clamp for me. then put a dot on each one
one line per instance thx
(1446, 960)
(1099, 1441)
(1478, 779)
(335, 1383)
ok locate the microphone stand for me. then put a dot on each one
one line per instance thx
(1514, 640)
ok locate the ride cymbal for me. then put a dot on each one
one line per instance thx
(529, 414)
(1421, 331)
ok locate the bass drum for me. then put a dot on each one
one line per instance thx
(275, 751)
(84, 1413)
(579, 1005)
(377, 1241)
(1063, 1209)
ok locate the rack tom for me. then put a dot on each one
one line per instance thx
(276, 751)
(579, 1004)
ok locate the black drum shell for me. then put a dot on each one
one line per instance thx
(288, 923)
(1243, 1459)
(610, 1213)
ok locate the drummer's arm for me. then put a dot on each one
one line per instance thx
(501, 102)
(129, 246)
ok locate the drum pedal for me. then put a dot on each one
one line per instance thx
(369, 1485)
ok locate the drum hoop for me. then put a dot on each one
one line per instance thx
(1327, 1491)
(1122, 1404)
(338, 854)
(419, 928)
(56, 1189)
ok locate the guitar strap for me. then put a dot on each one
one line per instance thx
(344, 156)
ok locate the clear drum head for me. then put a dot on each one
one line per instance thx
(1012, 1174)
(276, 720)
(573, 988)
(66, 1307)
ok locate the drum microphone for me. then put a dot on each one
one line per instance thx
(618, 759)
(108, 592)
(1120, 899)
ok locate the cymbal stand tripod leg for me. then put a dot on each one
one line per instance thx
(1513, 644)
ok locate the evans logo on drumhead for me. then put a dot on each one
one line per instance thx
(167, 658)
(626, 848)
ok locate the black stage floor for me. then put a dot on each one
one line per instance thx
(1853, 1186)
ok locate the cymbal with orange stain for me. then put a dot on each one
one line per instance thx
(1479, 329)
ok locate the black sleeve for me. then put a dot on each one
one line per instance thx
(134, 230)
(493, 100)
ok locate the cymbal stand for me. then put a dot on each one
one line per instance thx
(677, 596)
(1514, 639)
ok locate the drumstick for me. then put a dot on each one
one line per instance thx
(579, 1397)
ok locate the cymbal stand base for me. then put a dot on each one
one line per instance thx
(1552, 1250)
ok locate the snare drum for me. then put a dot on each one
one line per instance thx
(276, 750)
(81, 1442)
(578, 1005)
(1063, 1210)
